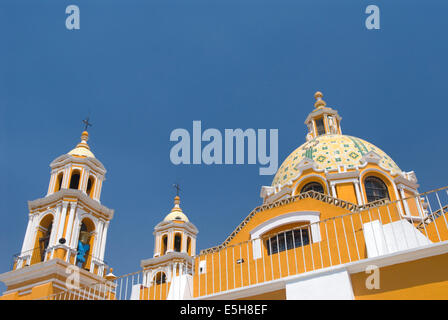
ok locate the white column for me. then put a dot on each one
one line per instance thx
(71, 217)
(157, 239)
(358, 193)
(54, 230)
(61, 223)
(97, 250)
(32, 233)
(333, 191)
(75, 233)
(51, 184)
(170, 241)
(103, 240)
(406, 207)
(183, 247)
(66, 178)
(27, 235)
(193, 246)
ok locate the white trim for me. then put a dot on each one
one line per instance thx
(292, 217)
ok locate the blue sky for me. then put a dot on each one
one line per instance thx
(143, 68)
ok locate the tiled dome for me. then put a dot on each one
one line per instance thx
(330, 151)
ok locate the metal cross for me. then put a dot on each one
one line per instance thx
(176, 186)
(86, 123)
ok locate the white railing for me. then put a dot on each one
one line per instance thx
(405, 224)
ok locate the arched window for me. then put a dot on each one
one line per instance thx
(59, 179)
(376, 189)
(90, 185)
(314, 186)
(288, 240)
(177, 242)
(84, 243)
(74, 180)
(44, 235)
(164, 244)
(189, 245)
(160, 277)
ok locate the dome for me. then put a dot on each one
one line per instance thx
(176, 213)
(330, 151)
(82, 149)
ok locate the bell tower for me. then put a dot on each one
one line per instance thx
(67, 229)
(168, 274)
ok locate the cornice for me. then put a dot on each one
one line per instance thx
(72, 193)
(165, 258)
(93, 163)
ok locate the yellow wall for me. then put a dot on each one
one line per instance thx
(346, 191)
(422, 279)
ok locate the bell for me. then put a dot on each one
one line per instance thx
(84, 237)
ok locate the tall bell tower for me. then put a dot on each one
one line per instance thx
(67, 229)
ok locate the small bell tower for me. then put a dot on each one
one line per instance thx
(168, 273)
(67, 227)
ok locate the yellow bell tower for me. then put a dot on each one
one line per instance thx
(65, 239)
(168, 275)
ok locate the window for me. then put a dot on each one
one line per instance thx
(74, 181)
(177, 242)
(288, 240)
(90, 184)
(164, 244)
(189, 245)
(44, 240)
(315, 186)
(160, 278)
(376, 189)
(59, 182)
(320, 126)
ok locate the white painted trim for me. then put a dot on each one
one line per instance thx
(292, 217)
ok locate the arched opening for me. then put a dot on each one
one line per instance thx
(59, 179)
(313, 186)
(74, 179)
(160, 277)
(90, 185)
(177, 242)
(376, 189)
(85, 242)
(43, 238)
(189, 246)
(164, 244)
(320, 126)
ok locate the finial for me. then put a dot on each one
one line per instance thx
(84, 136)
(319, 102)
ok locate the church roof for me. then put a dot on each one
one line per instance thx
(328, 153)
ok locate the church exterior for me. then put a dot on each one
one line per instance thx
(340, 220)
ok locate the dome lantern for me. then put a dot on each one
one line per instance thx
(322, 120)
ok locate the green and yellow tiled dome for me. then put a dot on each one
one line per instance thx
(330, 151)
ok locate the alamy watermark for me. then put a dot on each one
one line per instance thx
(224, 148)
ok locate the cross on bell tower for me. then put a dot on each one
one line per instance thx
(87, 124)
